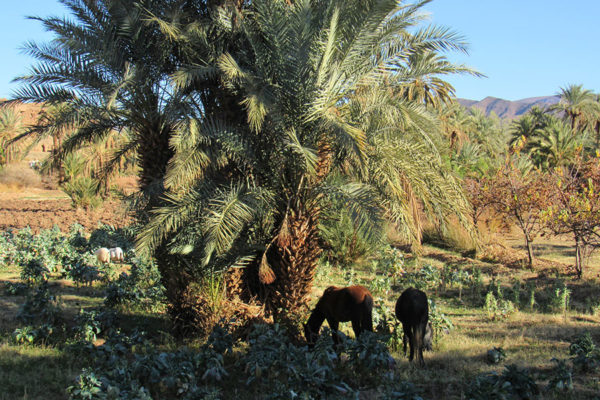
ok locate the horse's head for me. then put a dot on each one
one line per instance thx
(428, 337)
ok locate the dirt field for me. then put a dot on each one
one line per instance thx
(43, 214)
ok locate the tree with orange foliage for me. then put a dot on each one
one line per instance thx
(575, 207)
(519, 196)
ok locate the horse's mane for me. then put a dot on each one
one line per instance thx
(330, 289)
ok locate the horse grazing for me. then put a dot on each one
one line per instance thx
(353, 303)
(412, 310)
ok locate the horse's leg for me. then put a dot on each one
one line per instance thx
(367, 320)
(406, 333)
(356, 327)
(333, 325)
(411, 342)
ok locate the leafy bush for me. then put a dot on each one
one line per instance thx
(109, 236)
(513, 384)
(453, 276)
(83, 192)
(366, 355)
(140, 288)
(87, 387)
(34, 272)
(439, 321)
(49, 250)
(16, 288)
(496, 355)
(497, 309)
(80, 268)
(8, 250)
(561, 377)
(424, 278)
(120, 373)
(561, 297)
(310, 374)
(386, 324)
(40, 306)
(389, 261)
(32, 335)
(585, 352)
(345, 242)
(87, 326)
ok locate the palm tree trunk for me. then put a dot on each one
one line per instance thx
(298, 251)
(155, 154)
(294, 263)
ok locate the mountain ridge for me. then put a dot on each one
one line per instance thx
(507, 109)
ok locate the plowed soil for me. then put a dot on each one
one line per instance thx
(45, 213)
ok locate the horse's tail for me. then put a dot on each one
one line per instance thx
(367, 319)
(418, 334)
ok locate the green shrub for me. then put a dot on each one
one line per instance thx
(513, 384)
(34, 272)
(32, 335)
(496, 355)
(561, 297)
(140, 288)
(497, 309)
(585, 352)
(344, 241)
(386, 324)
(8, 250)
(87, 326)
(439, 321)
(87, 387)
(16, 289)
(83, 192)
(367, 354)
(40, 306)
(427, 277)
(561, 376)
(109, 236)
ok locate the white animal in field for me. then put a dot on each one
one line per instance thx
(116, 254)
(103, 255)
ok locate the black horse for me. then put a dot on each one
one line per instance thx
(412, 310)
(353, 303)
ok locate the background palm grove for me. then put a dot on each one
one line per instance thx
(278, 144)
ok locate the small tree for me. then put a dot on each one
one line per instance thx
(477, 191)
(575, 207)
(519, 194)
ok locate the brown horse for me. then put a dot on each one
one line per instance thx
(353, 303)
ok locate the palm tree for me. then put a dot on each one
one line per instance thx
(320, 127)
(423, 80)
(556, 145)
(575, 102)
(486, 131)
(109, 69)
(10, 126)
(454, 120)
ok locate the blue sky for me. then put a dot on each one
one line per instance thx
(527, 48)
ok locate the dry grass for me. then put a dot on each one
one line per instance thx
(15, 177)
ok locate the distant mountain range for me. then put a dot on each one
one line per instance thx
(509, 110)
